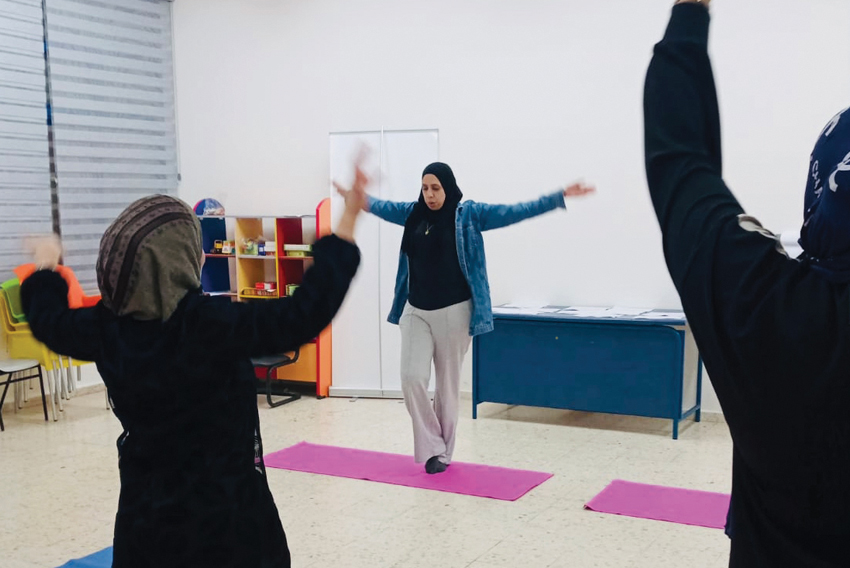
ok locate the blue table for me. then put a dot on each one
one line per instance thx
(625, 365)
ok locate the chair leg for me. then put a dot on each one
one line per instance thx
(69, 379)
(287, 396)
(16, 394)
(63, 386)
(50, 393)
(19, 393)
(24, 392)
(43, 397)
(25, 389)
(2, 400)
(58, 388)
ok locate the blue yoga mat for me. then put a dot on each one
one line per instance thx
(102, 559)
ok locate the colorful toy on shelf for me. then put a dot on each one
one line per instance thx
(228, 247)
(218, 247)
(209, 208)
(249, 247)
(261, 290)
(298, 250)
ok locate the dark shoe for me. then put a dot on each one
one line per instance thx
(434, 465)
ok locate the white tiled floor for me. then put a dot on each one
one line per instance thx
(59, 489)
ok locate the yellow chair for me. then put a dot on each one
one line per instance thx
(77, 298)
(21, 344)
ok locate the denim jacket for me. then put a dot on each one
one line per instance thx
(471, 220)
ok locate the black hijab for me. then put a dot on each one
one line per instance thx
(421, 212)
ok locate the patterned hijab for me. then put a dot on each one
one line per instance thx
(150, 257)
(825, 236)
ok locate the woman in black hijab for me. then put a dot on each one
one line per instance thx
(177, 367)
(442, 296)
(774, 332)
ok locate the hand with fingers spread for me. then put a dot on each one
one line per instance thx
(46, 251)
(356, 196)
(355, 199)
(579, 189)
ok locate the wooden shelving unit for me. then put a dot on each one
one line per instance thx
(235, 275)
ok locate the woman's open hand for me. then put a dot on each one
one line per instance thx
(579, 189)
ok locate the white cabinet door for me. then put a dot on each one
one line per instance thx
(366, 348)
(356, 331)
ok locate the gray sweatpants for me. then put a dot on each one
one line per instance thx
(442, 336)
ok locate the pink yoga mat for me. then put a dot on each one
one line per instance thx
(684, 506)
(464, 478)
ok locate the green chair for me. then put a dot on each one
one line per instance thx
(12, 288)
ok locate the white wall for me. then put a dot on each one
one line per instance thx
(527, 95)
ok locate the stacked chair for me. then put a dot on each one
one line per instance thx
(21, 344)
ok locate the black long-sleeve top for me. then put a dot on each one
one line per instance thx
(436, 279)
(774, 335)
(193, 485)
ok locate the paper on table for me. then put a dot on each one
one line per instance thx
(591, 312)
(623, 311)
(522, 311)
(662, 316)
(584, 312)
(517, 309)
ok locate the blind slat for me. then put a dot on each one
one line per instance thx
(145, 8)
(25, 10)
(162, 128)
(92, 229)
(23, 161)
(149, 112)
(154, 186)
(98, 169)
(24, 177)
(12, 125)
(142, 156)
(64, 88)
(15, 27)
(24, 78)
(86, 135)
(17, 42)
(86, 214)
(74, 19)
(65, 72)
(89, 39)
(32, 112)
(35, 3)
(27, 95)
(24, 63)
(114, 196)
(112, 60)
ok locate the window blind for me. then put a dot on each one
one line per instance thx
(112, 109)
(25, 197)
